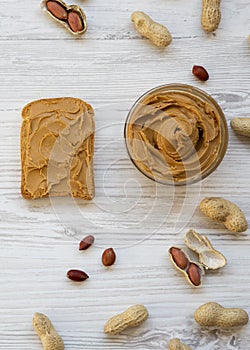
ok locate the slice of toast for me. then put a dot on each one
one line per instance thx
(57, 148)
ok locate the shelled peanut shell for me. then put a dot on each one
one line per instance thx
(209, 257)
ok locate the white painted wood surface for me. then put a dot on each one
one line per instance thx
(110, 67)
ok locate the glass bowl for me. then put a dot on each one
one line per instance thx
(176, 134)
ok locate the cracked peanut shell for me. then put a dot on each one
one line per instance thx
(209, 257)
(70, 16)
(192, 270)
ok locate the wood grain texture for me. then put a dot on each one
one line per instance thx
(110, 67)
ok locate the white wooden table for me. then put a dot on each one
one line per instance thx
(110, 67)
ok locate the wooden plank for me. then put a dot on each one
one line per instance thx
(110, 67)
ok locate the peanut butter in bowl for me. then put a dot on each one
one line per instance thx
(176, 134)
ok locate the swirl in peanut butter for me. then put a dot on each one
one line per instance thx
(173, 136)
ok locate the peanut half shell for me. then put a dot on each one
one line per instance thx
(192, 271)
(209, 257)
(70, 16)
